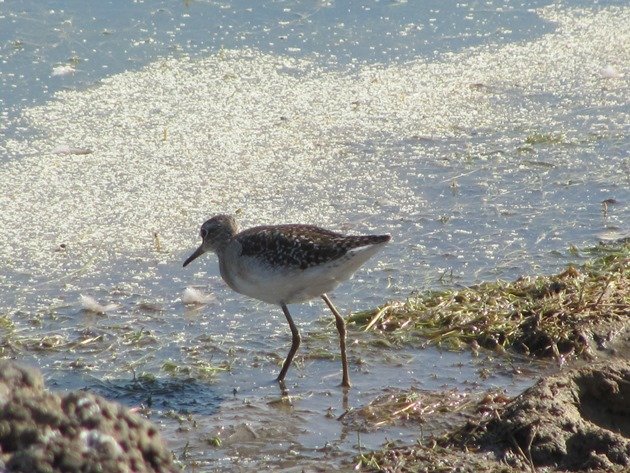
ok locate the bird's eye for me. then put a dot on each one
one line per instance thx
(203, 233)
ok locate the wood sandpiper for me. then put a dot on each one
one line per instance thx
(286, 264)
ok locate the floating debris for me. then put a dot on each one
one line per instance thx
(65, 149)
(545, 138)
(195, 296)
(614, 234)
(62, 71)
(398, 406)
(91, 305)
(609, 72)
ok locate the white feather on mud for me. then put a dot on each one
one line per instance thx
(62, 71)
(195, 296)
(92, 305)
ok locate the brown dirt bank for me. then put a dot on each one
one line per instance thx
(78, 432)
(577, 420)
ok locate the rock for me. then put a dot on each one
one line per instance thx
(78, 432)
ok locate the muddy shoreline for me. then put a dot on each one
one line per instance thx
(575, 420)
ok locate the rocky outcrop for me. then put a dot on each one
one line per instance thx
(79, 432)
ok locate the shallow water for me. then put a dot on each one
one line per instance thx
(484, 138)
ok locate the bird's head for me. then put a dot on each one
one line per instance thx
(215, 235)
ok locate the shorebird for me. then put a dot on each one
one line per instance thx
(286, 264)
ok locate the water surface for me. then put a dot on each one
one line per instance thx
(484, 137)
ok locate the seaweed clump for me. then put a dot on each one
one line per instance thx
(572, 312)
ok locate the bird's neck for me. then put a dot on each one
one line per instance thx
(220, 244)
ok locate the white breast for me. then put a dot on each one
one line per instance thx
(280, 284)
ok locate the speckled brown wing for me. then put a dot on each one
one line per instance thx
(300, 246)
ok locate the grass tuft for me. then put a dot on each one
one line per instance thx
(544, 315)
(414, 405)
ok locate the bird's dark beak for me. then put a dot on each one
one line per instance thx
(198, 252)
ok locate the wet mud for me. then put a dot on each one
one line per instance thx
(577, 420)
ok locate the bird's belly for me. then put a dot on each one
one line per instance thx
(281, 285)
